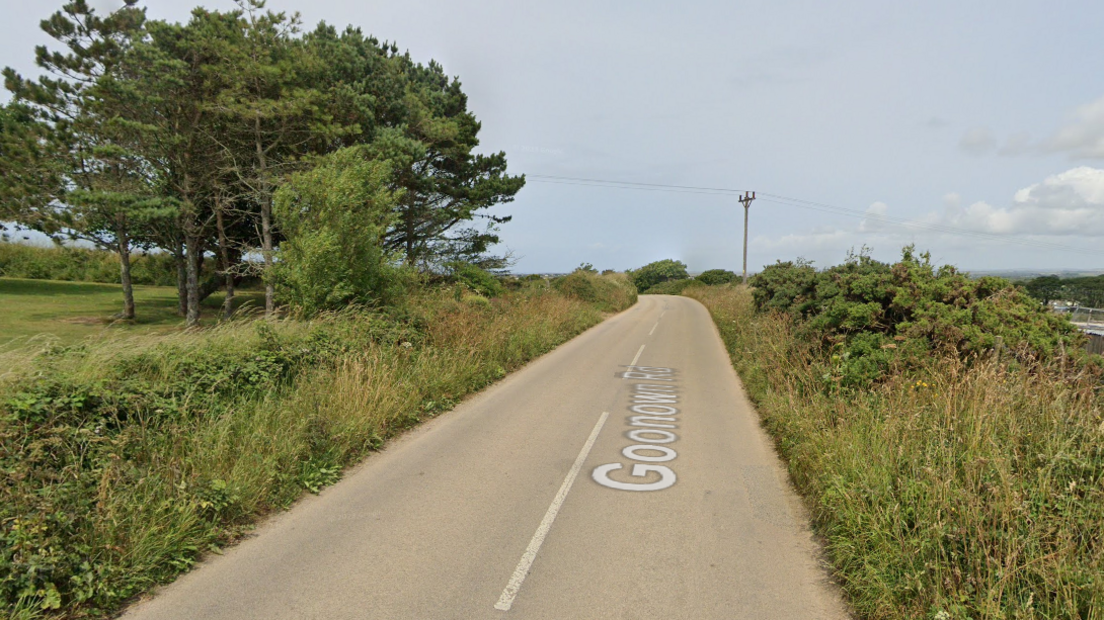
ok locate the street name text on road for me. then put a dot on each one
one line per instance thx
(653, 402)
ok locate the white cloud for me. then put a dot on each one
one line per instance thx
(875, 218)
(1066, 204)
(799, 244)
(1069, 204)
(1083, 136)
(978, 141)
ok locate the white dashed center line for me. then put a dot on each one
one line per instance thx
(507, 599)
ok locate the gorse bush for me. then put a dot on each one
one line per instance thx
(126, 459)
(875, 316)
(716, 277)
(82, 265)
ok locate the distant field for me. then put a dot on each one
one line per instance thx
(70, 311)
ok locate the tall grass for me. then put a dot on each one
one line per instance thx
(967, 489)
(125, 460)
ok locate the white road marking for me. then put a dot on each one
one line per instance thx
(637, 358)
(654, 328)
(507, 599)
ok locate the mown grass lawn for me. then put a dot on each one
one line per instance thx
(70, 311)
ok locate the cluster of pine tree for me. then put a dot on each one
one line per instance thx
(224, 136)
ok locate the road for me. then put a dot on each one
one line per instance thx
(523, 503)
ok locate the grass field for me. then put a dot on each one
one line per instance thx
(70, 311)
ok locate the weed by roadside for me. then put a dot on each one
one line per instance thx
(125, 460)
(953, 488)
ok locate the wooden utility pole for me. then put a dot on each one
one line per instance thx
(746, 200)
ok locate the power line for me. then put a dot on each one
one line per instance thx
(631, 183)
(808, 205)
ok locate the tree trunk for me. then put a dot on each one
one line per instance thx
(224, 255)
(195, 257)
(409, 225)
(181, 277)
(122, 240)
(266, 221)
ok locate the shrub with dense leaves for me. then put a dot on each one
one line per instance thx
(874, 315)
(672, 287)
(477, 279)
(334, 217)
(660, 271)
(716, 277)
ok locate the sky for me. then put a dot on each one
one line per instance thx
(974, 130)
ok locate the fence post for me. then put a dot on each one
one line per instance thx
(998, 347)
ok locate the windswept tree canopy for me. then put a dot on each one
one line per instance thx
(178, 136)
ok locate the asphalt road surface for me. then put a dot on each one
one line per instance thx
(621, 476)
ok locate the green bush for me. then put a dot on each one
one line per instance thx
(672, 287)
(873, 315)
(334, 217)
(660, 271)
(716, 277)
(477, 279)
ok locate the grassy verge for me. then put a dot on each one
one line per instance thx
(125, 459)
(957, 489)
(66, 312)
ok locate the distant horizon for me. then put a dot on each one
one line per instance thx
(38, 239)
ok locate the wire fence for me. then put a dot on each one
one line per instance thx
(1090, 321)
(1087, 317)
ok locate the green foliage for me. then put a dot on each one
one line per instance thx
(673, 287)
(951, 488)
(45, 311)
(873, 315)
(660, 271)
(1085, 291)
(479, 280)
(610, 293)
(82, 265)
(145, 134)
(125, 461)
(716, 277)
(334, 217)
(31, 176)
